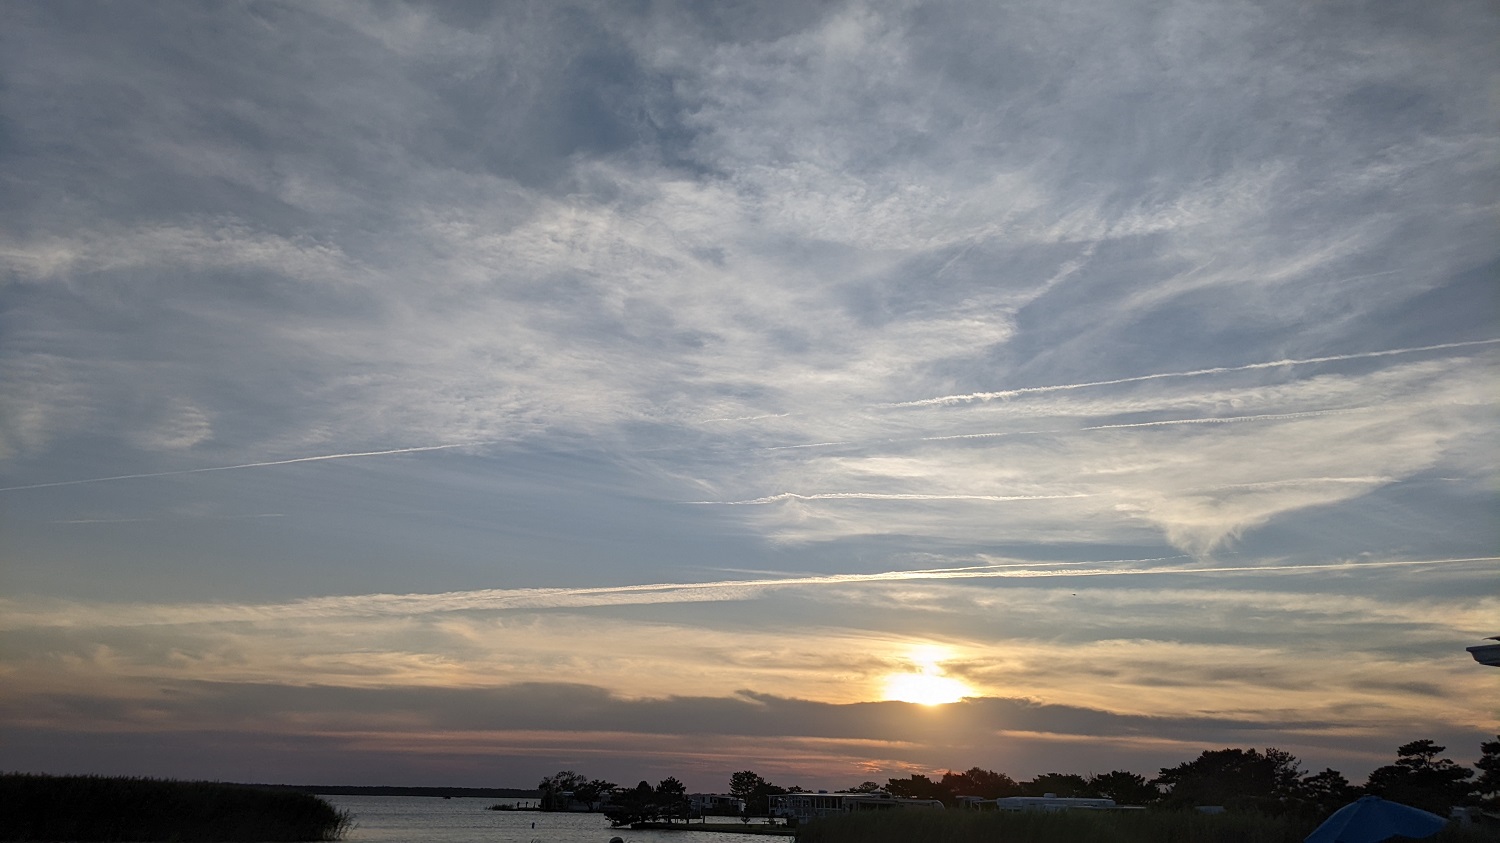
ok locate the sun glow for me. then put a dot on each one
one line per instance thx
(926, 685)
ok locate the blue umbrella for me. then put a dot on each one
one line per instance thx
(1372, 819)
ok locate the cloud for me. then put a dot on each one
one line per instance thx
(1124, 637)
(1063, 652)
(1204, 479)
(901, 288)
(398, 723)
(225, 244)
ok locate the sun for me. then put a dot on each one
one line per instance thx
(926, 685)
(925, 689)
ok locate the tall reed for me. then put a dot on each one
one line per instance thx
(90, 808)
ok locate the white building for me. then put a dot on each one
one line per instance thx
(804, 807)
(716, 804)
(1049, 802)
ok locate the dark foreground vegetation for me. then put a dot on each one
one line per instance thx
(1162, 826)
(88, 808)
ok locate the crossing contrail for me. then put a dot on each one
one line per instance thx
(1217, 370)
(265, 464)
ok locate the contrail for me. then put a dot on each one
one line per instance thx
(1306, 414)
(749, 418)
(105, 521)
(15, 614)
(319, 458)
(875, 496)
(1372, 480)
(179, 518)
(1217, 370)
(1255, 569)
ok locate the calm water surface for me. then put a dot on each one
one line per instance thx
(427, 819)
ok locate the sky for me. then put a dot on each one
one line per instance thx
(454, 393)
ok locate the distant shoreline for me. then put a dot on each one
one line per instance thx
(387, 790)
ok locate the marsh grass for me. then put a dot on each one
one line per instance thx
(913, 826)
(90, 808)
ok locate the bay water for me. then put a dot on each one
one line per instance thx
(430, 819)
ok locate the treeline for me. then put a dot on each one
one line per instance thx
(1269, 782)
(86, 808)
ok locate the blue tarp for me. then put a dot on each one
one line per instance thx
(1372, 819)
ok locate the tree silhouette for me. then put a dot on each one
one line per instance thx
(593, 792)
(671, 799)
(756, 792)
(1327, 791)
(632, 806)
(1067, 785)
(1124, 787)
(985, 784)
(919, 787)
(1421, 779)
(1237, 779)
(1487, 786)
(558, 788)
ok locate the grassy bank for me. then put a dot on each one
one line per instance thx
(1077, 827)
(88, 808)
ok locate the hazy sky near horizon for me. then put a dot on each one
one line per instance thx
(452, 393)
